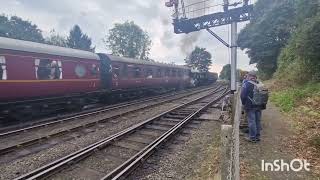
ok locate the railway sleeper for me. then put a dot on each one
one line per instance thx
(175, 116)
(180, 113)
(165, 123)
(150, 132)
(141, 139)
(158, 127)
(129, 145)
(170, 119)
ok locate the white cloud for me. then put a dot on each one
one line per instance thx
(95, 17)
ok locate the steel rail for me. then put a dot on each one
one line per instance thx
(60, 133)
(124, 169)
(99, 110)
(57, 165)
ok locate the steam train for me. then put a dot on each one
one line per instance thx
(35, 77)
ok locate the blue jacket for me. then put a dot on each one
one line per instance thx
(244, 81)
(247, 91)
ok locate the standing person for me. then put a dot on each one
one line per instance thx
(55, 71)
(253, 101)
(245, 79)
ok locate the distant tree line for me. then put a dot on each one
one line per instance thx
(283, 40)
(126, 39)
(225, 73)
(17, 28)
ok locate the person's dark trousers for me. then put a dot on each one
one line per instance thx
(254, 121)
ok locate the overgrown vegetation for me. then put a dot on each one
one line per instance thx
(283, 40)
(299, 62)
(301, 104)
(289, 98)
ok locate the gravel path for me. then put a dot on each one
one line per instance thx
(23, 165)
(275, 131)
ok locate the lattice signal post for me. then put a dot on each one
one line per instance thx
(184, 24)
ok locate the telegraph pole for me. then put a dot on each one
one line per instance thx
(234, 56)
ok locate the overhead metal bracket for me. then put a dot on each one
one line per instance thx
(186, 25)
(219, 38)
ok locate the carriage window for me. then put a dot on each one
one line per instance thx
(167, 72)
(174, 73)
(3, 68)
(158, 73)
(136, 72)
(48, 69)
(94, 70)
(149, 73)
(125, 70)
(116, 71)
(179, 73)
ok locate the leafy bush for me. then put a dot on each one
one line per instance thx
(283, 38)
(299, 61)
(287, 99)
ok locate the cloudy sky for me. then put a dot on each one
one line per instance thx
(95, 17)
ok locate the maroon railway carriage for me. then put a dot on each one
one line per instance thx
(31, 70)
(131, 73)
(35, 77)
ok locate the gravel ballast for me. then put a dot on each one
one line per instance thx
(28, 163)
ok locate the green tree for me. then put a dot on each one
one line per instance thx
(128, 40)
(199, 59)
(78, 40)
(226, 72)
(56, 39)
(306, 9)
(299, 61)
(269, 31)
(17, 28)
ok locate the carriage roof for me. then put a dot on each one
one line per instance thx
(28, 46)
(143, 62)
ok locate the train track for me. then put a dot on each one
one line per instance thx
(69, 117)
(41, 140)
(116, 156)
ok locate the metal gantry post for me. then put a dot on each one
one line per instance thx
(228, 16)
(233, 56)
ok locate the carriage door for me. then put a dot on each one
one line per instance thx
(106, 71)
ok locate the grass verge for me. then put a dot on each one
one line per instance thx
(287, 99)
(302, 105)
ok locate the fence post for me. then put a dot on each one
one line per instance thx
(233, 106)
(236, 143)
(226, 137)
